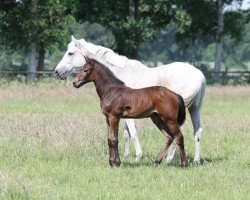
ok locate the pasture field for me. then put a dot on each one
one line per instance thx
(53, 145)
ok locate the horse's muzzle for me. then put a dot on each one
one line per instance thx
(61, 76)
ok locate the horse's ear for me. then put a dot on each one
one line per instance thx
(73, 38)
(76, 42)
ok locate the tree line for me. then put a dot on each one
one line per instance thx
(158, 29)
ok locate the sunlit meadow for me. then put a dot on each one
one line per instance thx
(53, 145)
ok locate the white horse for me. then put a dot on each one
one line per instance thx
(179, 77)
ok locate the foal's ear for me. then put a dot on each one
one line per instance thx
(87, 59)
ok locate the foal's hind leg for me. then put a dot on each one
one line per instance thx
(168, 138)
(178, 137)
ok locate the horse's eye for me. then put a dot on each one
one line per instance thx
(70, 53)
(85, 70)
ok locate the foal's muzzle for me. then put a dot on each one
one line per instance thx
(76, 84)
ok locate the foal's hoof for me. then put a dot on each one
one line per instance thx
(157, 163)
(116, 164)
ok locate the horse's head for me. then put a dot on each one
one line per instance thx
(72, 59)
(84, 75)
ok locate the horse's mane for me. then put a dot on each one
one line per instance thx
(105, 54)
(108, 72)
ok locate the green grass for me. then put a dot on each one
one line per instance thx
(53, 145)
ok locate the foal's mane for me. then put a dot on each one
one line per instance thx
(111, 76)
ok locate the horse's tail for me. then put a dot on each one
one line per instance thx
(181, 112)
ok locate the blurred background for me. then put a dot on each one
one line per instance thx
(213, 35)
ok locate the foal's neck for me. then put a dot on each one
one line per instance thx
(104, 80)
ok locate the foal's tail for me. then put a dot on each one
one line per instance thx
(181, 112)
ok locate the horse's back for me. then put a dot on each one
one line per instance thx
(182, 78)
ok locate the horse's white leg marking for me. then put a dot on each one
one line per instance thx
(130, 123)
(195, 116)
(127, 142)
(171, 153)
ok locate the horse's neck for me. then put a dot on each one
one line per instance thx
(132, 72)
(106, 56)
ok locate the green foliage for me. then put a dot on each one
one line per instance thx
(199, 21)
(42, 22)
(94, 33)
(131, 22)
(157, 31)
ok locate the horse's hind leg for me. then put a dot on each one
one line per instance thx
(130, 131)
(195, 117)
(168, 139)
(194, 111)
(127, 142)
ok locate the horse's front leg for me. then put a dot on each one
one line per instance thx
(130, 132)
(113, 123)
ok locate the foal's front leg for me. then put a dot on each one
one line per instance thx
(113, 123)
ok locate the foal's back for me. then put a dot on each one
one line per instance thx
(139, 103)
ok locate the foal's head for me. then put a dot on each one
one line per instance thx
(94, 70)
(84, 76)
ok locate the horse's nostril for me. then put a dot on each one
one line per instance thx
(56, 72)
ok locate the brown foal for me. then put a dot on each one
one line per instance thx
(164, 107)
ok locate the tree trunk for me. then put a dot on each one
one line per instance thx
(41, 57)
(32, 62)
(32, 50)
(218, 41)
(134, 12)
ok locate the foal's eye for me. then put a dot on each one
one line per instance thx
(70, 53)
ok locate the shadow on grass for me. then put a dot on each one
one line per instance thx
(148, 161)
(205, 161)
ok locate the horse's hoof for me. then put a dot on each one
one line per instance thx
(168, 161)
(126, 156)
(137, 159)
(138, 156)
(184, 165)
(197, 162)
